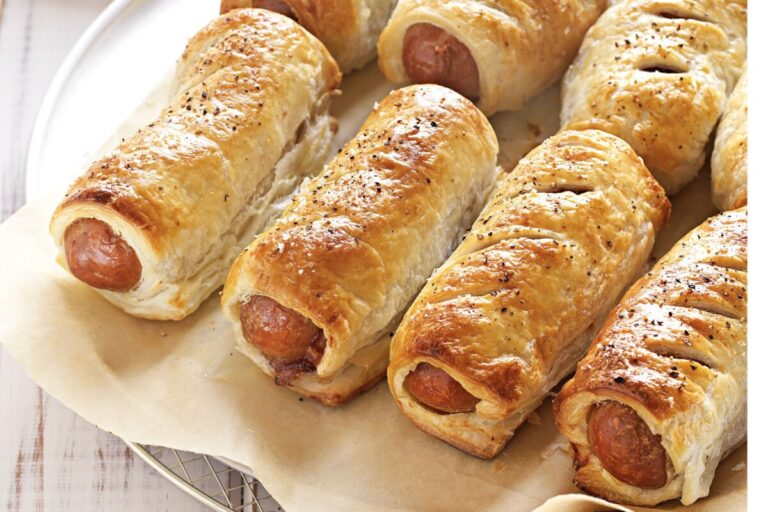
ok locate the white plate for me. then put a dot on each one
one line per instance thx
(117, 78)
(107, 75)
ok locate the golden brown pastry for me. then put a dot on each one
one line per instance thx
(729, 158)
(155, 224)
(661, 397)
(349, 28)
(516, 305)
(315, 298)
(499, 53)
(657, 73)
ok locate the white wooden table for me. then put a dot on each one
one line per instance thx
(50, 459)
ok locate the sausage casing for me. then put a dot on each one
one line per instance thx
(515, 306)
(356, 243)
(248, 121)
(674, 351)
(99, 257)
(518, 47)
(434, 388)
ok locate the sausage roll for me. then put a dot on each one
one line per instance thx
(155, 224)
(661, 397)
(516, 305)
(729, 158)
(315, 298)
(349, 28)
(499, 53)
(657, 73)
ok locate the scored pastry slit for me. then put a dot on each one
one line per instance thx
(523, 238)
(336, 254)
(668, 354)
(663, 68)
(709, 306)
(511, 311)
(576, 189)
(676, 14)
(680, 356)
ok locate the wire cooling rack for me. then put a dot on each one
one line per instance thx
(209, 480)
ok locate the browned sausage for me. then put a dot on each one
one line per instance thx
(433, 56)
(280, 333)
(99, 257)
(278, 6)
(436, 389)
(626, 446)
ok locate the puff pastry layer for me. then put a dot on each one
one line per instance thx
(349, 28)
(657, 73)
(729, 158)
(357, 242)
(674, 350)
(513, 309)
(519, 46)
(188, 191)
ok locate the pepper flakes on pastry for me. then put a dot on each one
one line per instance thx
(510, 313)
(661, 397)
(155, 224)
(314, 299)
(349, 28)
(657, 73)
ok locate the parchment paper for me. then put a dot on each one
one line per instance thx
(183, 385)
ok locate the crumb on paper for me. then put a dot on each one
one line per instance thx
(739, 467)
(535, 128)
(163, 334)
(534, 418)
(499, 466)
(553, 448)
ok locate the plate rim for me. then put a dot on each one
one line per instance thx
(73, 59)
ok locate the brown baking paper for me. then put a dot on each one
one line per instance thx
(183, 385)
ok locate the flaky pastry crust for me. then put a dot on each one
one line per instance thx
(657, 73)
(513, 309)
(189, 190)
(674, 350)
(357, 243)
(729, 158)
(520, 46)
(348, 28)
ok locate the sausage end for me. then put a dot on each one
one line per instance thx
(99, 257)
(285, 337)
(432, 55)
(437, 390)
(626, 447)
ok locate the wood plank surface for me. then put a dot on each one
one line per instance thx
(51, 459)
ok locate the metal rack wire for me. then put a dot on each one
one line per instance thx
(209, 480)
